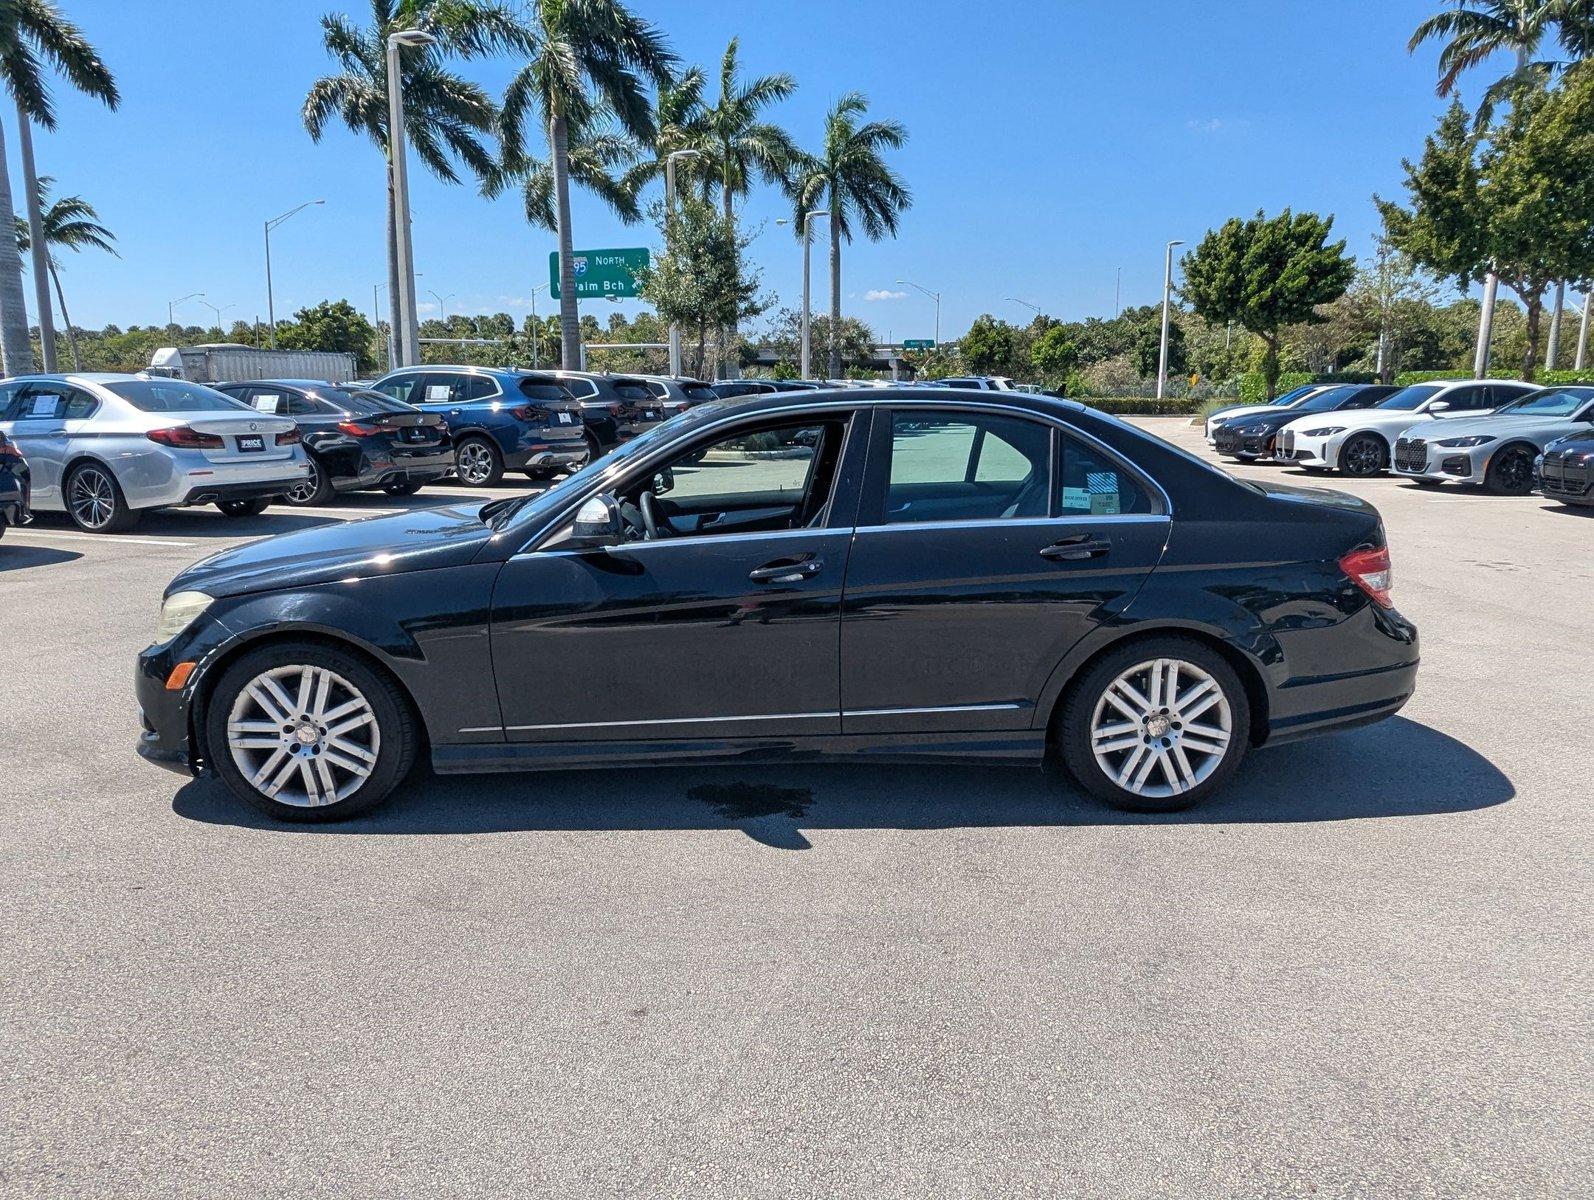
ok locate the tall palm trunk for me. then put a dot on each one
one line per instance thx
(727, 334)
(835, 288)
(36, 243)
(71, 334)
(1530, 354)
(569, 315)
(15, 350)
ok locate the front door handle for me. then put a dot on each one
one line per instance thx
(1073, 549)
(789, 570)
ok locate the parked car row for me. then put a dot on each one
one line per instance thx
(1495, 434)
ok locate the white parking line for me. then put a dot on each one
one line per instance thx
(108, 539)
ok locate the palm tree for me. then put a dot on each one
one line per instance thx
(677, 125)
(445, 116)
(72, 224)
(586, 57)
(35, 34)
(598, 160)
(852, 175)
(1479, 29)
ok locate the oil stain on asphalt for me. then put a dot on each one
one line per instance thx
(765, 812)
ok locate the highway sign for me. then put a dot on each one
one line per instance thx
(600, 273)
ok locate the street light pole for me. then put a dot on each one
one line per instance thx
(442, 304)
(536, 330)
(171, 305)
(936, 296)
(406, 327)
(271, 303)
(1167, 300)
(1582, 336)
(669, 208)
(807, 239)
(1034, 308)
(217, 310)
(1480, 354)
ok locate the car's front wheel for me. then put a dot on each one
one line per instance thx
(95, 502)
(307, 732)
(1510, 472)
(1155, 725)
(1363, 455)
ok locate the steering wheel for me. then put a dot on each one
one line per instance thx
(650, 517)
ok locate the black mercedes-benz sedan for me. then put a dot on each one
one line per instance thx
(882, 574)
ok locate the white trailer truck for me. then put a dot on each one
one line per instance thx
(229, 362)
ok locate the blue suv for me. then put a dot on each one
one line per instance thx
(498, 420)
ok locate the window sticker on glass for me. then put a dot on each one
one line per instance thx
(1103, 489)
(437, 393)
(268, 404)
(45, 406)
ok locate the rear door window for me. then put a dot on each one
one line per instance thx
(437, 387)
(966, 466)
(1090, 484)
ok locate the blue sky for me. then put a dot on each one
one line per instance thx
(1051, 143)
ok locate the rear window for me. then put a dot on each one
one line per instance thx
(173, 395)
(533, 389)
(698, 391)
(364, 401)
(632, 391)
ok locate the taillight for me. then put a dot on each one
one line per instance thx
(359, 429)
(529, 412)
(291, 438)
(181, 437)
(1370, 570)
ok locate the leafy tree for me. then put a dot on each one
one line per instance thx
(585, 57)
(1265, 273)
(331, 325)
(1054, 355)
(445, 116)
(1514, 197)
(783, 335)
(987, 348)
(678, 124)
(35, 36)
(1148, 348)
(700, 281)
(850, 178)
(69, 223)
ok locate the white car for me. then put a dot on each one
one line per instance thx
(1359, 442)
(1288, 400)
(107, 448)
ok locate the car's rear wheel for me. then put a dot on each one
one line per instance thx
(478, 462)
(307, 732)
(314, 489)
(1156, 725)
(243, 508)
(1363, 455)
(1510, 472)
(95, 502)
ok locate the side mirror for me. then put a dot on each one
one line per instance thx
(597, 524)
(1439, 406)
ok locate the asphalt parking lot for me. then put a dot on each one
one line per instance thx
(1362, 971)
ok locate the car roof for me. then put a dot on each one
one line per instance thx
(886, 396)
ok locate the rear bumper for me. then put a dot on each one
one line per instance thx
(378, 469)
(14, 508)
(1306, 705)
(211, 493)
(555, 454)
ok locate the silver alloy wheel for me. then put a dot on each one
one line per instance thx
(92, 497)
(474, 462)
(1161, 728)
(304, 491)
(303, 735)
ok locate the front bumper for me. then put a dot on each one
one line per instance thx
(1305, 451)
(1567, 477)
(1234, 444)
(1417, 458)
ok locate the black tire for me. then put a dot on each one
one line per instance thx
(594, 447)
(1510, 471)
(1363, 456)
(395, 721)
(1071, 732)
(95, 502)
(477, 462)
(403, 487)
(314, 491)
(243, 508)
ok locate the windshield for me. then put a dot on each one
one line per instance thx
(1325, 401)
(1555, 402)
(538, 504)
(1410, 397)
(173, 396)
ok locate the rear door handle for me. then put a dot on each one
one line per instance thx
(1080, 546)
(787, 571)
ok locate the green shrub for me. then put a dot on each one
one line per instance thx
(1145, 406)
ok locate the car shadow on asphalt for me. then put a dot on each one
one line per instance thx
(1399, 768)
(18, 558)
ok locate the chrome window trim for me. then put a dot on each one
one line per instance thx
(692, 539)
(840, 399)
(1010, 522)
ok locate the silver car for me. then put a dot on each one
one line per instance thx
(106, 448)
(1498, 450)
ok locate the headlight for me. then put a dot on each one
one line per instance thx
(1251, 430)
(1326, 431)
(178, 613)
(1472, 439)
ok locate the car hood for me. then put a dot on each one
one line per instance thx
(1499, 427)
(1387, 421)
(411, 541)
